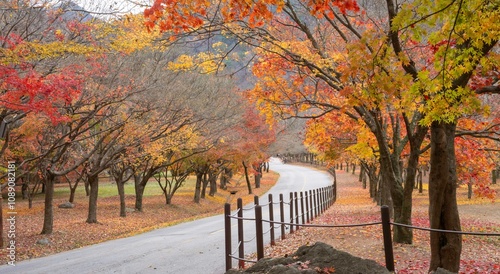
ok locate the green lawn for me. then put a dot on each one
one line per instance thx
(107, 188)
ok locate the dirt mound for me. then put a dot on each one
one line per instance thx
(317, 258)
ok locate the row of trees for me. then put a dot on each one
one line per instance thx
(390, 80)
(81, 96)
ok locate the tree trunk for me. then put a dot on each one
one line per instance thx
(223, 180)
(399, 195)
(197, 189)
(168, 198)
(405, 235)
(121, 192)
(205, 184)
(378, 196)
(87, 189)
(257, 180)
(94, 192)
(1, 221)
(249, 186)
(371, 173)
(385, 194)
(72, 191)
(139, 194)
(443, 211)
(213, 183)
(258, 175)
(139, 191)
(25, 190)
(48, 216)
(227, 174)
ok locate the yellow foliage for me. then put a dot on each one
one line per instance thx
(32, 51)
(183, 63)
(203, 62)
(127, 34)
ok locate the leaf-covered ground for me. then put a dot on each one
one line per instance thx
(71, 231)
(353, 206)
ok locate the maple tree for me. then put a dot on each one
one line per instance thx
(34, 77)
(257, 137)
(175, 175)
(458, 53)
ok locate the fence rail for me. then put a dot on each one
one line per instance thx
(323, 198)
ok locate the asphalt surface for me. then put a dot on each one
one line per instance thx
(195, 247)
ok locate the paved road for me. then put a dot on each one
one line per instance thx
(192, 248)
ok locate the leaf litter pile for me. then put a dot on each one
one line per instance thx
(480, 254)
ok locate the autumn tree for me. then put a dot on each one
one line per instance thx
(462, 45)
(255, 136)
(36, 77)
(174, 176)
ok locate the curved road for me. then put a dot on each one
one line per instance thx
(196, 247)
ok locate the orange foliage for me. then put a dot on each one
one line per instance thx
(183, 15)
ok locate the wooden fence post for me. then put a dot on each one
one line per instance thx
(259, 236)
(307, 206)
(311, 196)
(296, 197)
(291, 212)
(271, 219)
(302, 215)
(386, 230)
(241, 239)
(227, 228)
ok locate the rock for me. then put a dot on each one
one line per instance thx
(312, 259)
(130, 210)
(66, 205)
(443, 271)
(43, 241)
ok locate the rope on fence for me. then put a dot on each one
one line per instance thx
(237, 247)
(241, 218)
(277, 224)
(249, 208)
(267, 231)
(266, 204)
(325, 226)
(235, 213)
(242, 259)
(447, 231)
(250, 240)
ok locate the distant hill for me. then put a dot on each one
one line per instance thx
(73, 11)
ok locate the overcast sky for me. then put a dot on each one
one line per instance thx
(111, 7)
